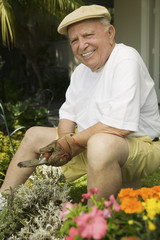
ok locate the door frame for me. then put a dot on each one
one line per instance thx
(150, 39)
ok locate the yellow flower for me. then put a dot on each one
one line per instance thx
(145, 218)
(3, 156)
(158, 207)
(151, 207)
(130, 222)
(151, 226)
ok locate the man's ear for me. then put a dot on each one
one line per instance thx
(111, 33)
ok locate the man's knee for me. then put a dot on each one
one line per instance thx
(99, 144)
(38, 137)
(31, 134)
(99, 149)
(106, 148)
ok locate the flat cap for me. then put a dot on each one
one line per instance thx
(83, 13)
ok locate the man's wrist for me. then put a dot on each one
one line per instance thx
(78, 144)
(60, 135)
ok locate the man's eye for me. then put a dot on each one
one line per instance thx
(73, 41)
(90, 34)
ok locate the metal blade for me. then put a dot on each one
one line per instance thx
(32, 163)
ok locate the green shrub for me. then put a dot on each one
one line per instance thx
(32, 210)
(17, 115)
(23, 114)
(6, 152)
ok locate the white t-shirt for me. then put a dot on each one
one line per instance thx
(121, 94)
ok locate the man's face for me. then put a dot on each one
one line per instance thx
(90, 42)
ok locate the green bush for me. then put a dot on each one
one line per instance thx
(23, 114)
(6, 152)
(32, 210)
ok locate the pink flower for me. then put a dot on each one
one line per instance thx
(89, 194)
(107, 213)
(93, 190)
(66, 209)
(92, 225)
(112, 203)
(72, 233)
(86, 196)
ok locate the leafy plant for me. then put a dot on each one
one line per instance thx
(32, 210)
(78, 187)
(6, 152)
(23, 114)
(29, 25)
(1, 62)
(135, 216)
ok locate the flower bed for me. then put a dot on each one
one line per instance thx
(135, 216)
(40, 209)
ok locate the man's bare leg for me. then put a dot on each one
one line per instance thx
(106, 154)
(34, 139)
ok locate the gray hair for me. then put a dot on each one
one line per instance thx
(105, 22)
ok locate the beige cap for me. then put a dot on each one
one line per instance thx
(82, 13)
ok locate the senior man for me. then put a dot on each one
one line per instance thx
(109, 124)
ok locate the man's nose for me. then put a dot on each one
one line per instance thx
(82, 44)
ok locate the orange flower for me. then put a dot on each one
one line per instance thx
(127, 192)
(145, 193)
(131, 200)
(131, 205)
(157, 191)
(156, 188)
(131, 238)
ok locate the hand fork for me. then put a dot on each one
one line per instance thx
(43, 159)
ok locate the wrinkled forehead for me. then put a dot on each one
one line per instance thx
(88, 25)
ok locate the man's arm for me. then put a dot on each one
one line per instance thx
(65, 126)
(70, 144)
(83, 137)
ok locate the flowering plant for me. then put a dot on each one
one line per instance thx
(135, 216)
(6, 152)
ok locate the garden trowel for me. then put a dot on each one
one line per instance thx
(43, 159)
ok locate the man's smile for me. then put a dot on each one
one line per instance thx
(88, 54)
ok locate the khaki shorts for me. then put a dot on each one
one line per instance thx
(143, 160)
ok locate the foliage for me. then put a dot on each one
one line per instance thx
(23, 114)
(31, 15)
(152, 180)
(6, 152)
(1, 63)
(18, 115)
(136, 216)
(32, 25)
(32, 211)
(78, 187)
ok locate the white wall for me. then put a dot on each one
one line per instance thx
(127, 21)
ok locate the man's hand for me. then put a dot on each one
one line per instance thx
(63, 150)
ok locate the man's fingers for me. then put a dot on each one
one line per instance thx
(49, 148)
(59, 158)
